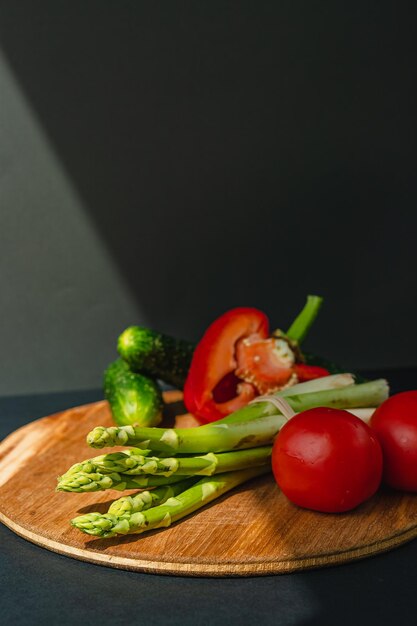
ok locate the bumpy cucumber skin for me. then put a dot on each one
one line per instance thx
(313, 359)
(333, 368)
(156, 355)
(133, 398)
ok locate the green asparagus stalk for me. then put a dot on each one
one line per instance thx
(126, 505)
(254, 425)
(120, 470)
(204, 491)
(130, 464)
(106, 463)
(210, 438)
(83, 482)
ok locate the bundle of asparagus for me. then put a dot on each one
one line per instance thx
(172, 461)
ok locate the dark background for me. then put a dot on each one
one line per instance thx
(164, 161)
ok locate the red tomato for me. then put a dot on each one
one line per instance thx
(395, 423)
(327, 460)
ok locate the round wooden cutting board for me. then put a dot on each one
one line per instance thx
(253, 530)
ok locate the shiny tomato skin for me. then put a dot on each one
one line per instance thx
(327, 460)
(395, 423)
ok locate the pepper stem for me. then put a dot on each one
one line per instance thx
(304, 320)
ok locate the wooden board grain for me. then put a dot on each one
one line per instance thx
(251, 531)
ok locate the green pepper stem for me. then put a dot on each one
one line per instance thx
(304, 320)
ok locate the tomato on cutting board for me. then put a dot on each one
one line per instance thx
(327, 460)
(395, 423)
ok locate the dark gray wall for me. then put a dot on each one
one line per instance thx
(163, 161)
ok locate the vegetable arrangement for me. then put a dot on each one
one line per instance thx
(218, 456)
(237, 359)
(263, 405)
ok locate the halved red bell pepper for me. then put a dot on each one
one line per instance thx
(235, 361)
(212, 389)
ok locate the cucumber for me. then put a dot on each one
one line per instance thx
(156, 355)
(133, 398)
(333, 368)
(313, 359)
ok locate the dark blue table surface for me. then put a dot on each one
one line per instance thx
(40, 587)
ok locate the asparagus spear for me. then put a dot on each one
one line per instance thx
(131, 464)
(175, 508)
(106, 463)
(214, 437)
(126, 505)
(103, 478)
(83, 482)
(254, 425)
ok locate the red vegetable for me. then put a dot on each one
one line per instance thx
(395, 423)
(266, 363)
(213, 389)
(327, 460)
(237, 359)
(309, 372)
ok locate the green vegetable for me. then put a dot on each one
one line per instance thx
(156, 355)
(324, 383)
(303, 322)
(133, 397)
(99, 464)
(126, 505)
(132, 463)
(215, 437)
(313, 359)
(333, 368)
(175, 508)
(330, 384)
(254, 425)
(84, 482)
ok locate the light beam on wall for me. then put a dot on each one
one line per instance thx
(63, 301)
